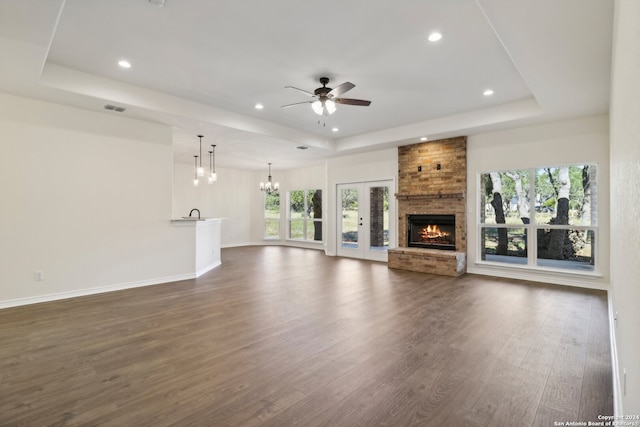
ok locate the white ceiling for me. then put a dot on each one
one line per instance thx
(200, 66)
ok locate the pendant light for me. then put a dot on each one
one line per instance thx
(200, 169)
(195, 177)
(269, 187)
(213, 176)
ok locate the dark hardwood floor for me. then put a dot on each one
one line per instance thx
(280, 336)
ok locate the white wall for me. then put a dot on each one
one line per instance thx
(374, 166)
(86, 199)
(229, 197)
(309, 178)
(243, 201)
(625, 204)
(236, 196)
(583, 140)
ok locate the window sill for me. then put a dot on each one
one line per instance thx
(310, 242)
(541, 270)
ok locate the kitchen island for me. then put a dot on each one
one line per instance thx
(205, 236)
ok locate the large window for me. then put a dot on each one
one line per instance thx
(272, 215)
(305, 215)
(542, 218)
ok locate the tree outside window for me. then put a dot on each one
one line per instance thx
(551, 210)
(305, 215)
(272, 215)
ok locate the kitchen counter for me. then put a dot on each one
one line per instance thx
(196, 219)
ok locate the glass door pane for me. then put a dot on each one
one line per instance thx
(365, 227)
(349, 231)
(379, 218)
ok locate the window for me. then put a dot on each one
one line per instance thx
(272, 215)
(305, 215)
(541, 218)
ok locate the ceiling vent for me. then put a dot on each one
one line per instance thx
(157, 3)
(114, 108)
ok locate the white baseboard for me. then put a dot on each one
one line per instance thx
(268, 242)
(617, 391)
(92, 291)
(237, 245)
(207, 268)
(586, 282)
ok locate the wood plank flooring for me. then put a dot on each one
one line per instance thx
(281, 336)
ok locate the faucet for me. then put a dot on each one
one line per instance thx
(195, 210)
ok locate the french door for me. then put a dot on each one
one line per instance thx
(365, 219)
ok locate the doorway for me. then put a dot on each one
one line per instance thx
(365, 219)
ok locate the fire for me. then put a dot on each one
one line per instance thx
(431, 232)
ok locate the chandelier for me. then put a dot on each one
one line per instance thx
(269, 187)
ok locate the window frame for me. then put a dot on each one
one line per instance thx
(531, 229)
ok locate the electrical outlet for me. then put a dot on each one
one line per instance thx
(39, 276)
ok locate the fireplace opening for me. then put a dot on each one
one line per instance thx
(432, 231)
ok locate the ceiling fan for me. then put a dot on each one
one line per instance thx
(326, 98)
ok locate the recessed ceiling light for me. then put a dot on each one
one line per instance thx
(124, 63)
(259, 106)
(334, 129)
(423, 139)
(435, 36)
(488, 92)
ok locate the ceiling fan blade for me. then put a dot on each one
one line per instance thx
(348, 101)
(297, 103)
(300, 90)
(339, 90)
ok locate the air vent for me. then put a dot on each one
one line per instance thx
(114, 108)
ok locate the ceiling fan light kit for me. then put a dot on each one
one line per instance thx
(322, 108)
(326, 98)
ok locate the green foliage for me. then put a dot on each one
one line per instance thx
(576, 196)
(296, 201)
(488, 185)
(299, 207)
(272, 228)
(272, 214)
(349, 199)
(547, 186)
(386, 199)
(544, 189)
(272, 201)
(508, 186)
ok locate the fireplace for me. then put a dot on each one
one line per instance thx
(432, 179)
(432, 231)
